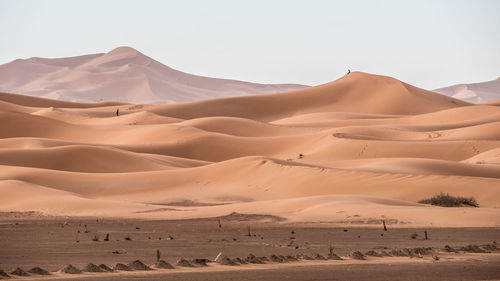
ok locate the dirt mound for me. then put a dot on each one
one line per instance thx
(226, 261)
(253, 259)
(105, 267)
(200, 262)
(39, 271)
(240, 261)
(163, 264)
(184, 263)
(491, 247)
(373, 254)
(398, 253)
(333, 256)
(138, 265)
(71, 269)
(19, 272)
(123, 267)
(92, 268)
(472, 249)
(305, 257)
(449, 249)
(319, 257)
(357, 255)
(276, 258)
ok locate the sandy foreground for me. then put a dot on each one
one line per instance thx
(349, 154)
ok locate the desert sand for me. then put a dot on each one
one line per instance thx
(482, 92)
(362, 145)
(354, 152)
(122, 74)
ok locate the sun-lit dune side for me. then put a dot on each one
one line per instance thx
(357, 92)
(364, 144)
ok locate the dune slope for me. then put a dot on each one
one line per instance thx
(363, 145)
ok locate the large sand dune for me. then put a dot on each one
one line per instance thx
(363, 145)
(123, 74)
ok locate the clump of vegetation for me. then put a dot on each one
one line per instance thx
(414, 236)
(446, 200)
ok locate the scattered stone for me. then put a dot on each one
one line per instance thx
(226, 261)
(184, 263)
(19, 272)
(373, 254)
(138, 265)
(357, 255)
(71, 269)
(119, 252)
(92, 268)
(121, 266)
(105, 268)
(163, 264)
(39, 271)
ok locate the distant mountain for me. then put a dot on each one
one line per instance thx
(475, 92)
(124, 74)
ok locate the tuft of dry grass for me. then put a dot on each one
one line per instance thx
(446, 200)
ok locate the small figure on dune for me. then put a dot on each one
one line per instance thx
(118, 112)
(348, 71)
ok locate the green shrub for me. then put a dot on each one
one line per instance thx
(446, 200)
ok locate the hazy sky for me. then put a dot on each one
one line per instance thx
(426, 43)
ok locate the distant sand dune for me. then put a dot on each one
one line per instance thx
(123, 74)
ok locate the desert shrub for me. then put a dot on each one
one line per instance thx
(446, 200)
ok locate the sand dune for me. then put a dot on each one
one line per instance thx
(364, 144)
(475, 93)
(123, 74)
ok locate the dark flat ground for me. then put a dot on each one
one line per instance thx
(28, 241)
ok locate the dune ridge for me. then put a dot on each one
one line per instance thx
(364, 144)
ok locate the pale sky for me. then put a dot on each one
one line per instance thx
(429, 44)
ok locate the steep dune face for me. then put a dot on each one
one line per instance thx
(357, 92)
(474, 93)
(363, 145)
(123, 74)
